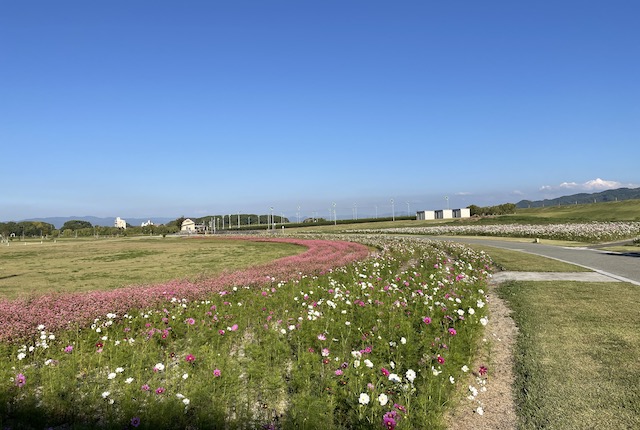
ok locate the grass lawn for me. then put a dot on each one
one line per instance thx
(507, 259)
(576, 356)
(101, 264)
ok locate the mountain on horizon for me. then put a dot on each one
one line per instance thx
(583, 198)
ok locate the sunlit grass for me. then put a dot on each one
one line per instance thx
(577, 354)
(108, 263)
(507, 259)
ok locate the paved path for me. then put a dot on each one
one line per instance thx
(620, 266)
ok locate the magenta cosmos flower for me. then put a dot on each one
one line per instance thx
(190, 358)
(21, 380)
(217, 373)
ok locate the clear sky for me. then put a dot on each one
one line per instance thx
(166, 108)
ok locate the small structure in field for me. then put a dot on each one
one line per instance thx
(443, 214)
(188, 226)
(425, 215)
(120, 223)
(462, 213)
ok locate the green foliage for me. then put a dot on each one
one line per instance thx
(503, 209)
(26, 229)
(76, 225)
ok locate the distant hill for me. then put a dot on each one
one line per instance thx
(107, 222)
(583, 198)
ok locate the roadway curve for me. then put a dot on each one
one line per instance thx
(622, 266)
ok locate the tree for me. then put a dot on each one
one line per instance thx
(76, 225)
(179, 222)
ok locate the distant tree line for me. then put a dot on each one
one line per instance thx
(503, 209)
(77, 228)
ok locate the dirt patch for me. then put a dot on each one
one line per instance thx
(493, 407)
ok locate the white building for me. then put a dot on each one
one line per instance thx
(462, 213)
(188, 226)
(120, 223)
(444, 214)
(425, 215)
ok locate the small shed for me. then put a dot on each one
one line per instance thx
(425, 215)
(188, 226)
(462, 213)
(444, 214)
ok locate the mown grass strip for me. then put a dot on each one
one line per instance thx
(577, 352)
(507, 259)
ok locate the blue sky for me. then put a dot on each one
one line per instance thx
(165, 108)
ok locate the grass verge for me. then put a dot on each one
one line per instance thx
(506, 259)
(576, 354)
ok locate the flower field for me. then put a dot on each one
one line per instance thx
(579, 232)
(344, 341)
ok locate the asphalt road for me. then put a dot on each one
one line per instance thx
(624, 267)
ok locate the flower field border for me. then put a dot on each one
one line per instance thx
(381, 342)
(579, 232)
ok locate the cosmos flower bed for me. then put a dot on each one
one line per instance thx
(580, 232)
(378, 343)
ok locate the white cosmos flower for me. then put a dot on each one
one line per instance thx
(368, 363)
(383, 399)
(105, 394)
(484, 321)
(411, 375)
(128, 380)
(394, 378)
(364, 399)
(111, 375)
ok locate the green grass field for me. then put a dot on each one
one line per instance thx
(576, 354)
(578, 343)
(72, 265)
(626, 210)
(576, 358)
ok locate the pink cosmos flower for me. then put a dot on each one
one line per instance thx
(452, 331)
(160, 390)
(483, 370)
(190, 321)
(234, 327)
(135, 422)
(440, 359)
(21, 380)
(426, 320)
(68, 349)
(384, 371)
(325, 352)
(145, 387)
(338, 372)
(190, 358)
(217, 373)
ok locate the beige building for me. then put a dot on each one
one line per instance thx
(188, 226)
(120, 223)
